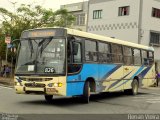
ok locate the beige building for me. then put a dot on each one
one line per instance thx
(80, 11)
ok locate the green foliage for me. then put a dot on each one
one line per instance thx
(28, 17)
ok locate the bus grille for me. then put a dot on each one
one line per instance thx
(36, 79)
(35, 85)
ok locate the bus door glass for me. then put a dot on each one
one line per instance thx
(74, 56)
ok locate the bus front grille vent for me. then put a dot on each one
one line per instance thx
(36, 79)
(35, 85)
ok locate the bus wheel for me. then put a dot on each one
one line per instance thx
(86, 92)
(134, 90)
(48, 98)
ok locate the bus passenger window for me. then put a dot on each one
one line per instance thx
(127, 51)
(116, 53)
(104, 52)
(90, 51)
(151, 58)
(145, 60)
(137, 56)
(77, 58)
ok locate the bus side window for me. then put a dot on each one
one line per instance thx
(77, 55)
(127, 51)
(145, 60)
(116, 53)
(104, 52)
(91, 51)
(150, 57)
(137, 57)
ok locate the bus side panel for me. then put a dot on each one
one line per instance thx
(149, 76)
(132, 71)
(115, 79)
(124, 81)
(75, 82)
(105, 71)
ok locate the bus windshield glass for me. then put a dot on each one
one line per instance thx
(41, 56)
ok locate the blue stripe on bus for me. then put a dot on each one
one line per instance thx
(115, 83)
(139, 70)
(110, 72)
(88, 70)
(144, 72)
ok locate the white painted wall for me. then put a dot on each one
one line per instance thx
(110, 18)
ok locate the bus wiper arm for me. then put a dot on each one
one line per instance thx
(44, 43)
(31, 47)
(31, 62)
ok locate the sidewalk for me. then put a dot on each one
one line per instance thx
(7, 81)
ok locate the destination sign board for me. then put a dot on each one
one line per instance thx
(48, 32)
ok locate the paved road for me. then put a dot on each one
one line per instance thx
(147, 101)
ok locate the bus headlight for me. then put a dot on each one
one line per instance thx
(18, 84)
(59, 84)
(55, 85)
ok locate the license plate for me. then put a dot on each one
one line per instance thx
(51, 90)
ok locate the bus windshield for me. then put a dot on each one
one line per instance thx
(41, 56)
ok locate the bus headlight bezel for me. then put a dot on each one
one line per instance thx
(55, 84)
(18, 84)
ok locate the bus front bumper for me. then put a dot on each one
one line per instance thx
(54, 87)
(48, 91)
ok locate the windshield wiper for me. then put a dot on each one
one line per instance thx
(31, 62)
(44, 43)
(31, 47)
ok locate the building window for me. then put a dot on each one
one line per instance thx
(97, 14)
(123, 11)
(80, 19)
(156, 12)
(155, 38)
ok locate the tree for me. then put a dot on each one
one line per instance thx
(28, 17)
(64, 19)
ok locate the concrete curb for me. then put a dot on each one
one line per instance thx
(6, 85)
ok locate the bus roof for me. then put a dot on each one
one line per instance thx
(107, 39)
(98, 37)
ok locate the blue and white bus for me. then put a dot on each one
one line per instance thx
(68, 62)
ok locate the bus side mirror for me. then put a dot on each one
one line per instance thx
(75, 48)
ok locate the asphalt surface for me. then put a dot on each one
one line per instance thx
(146, 102)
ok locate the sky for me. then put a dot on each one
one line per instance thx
(54, 4)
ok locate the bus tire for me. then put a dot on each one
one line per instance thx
(48, 98)
(134, 89)
(86, 92)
